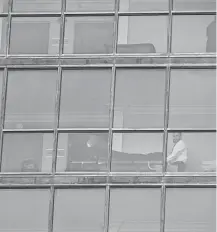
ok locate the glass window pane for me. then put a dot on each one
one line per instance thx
(88, 35)
(193, 98)
(135, 210)
(187, 5)
(143, 5)
(142, 34)
(31, 99)
(89, 5)
(27, 152)
(190, 209)
(24, 210)
(191, 152)
(85, 152)
(85, 98)
(1, 83)
(3, 31)
(79, 210)
(195, 33)
(4, 6)
(35, 35)
(141, 152)
(36, 6)
(139, 98)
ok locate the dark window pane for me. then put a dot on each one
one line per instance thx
(27, 152)
(31, 99)
(36, 6)
(187, 5)
(191, 152)
(135, 210)
(139, 98)
(3, 30)
(85, 152)
(143, 5)
(86, 35)
(35, 36)
(137, 152)
(194, 34)
(85, 98)
(142, 34)
(191, 209)
(79, 210)
(24, 210)
(193, 99)
(89, 5)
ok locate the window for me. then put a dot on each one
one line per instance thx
(139, 95)
(192, 209)
(27, 152)
(89, 35)
(135, 210)
(25, 107)
(24, 210)
(142, 34)
(3, 30)
(193, 98)
(4, 6)
(188, 5)
(194, 33)
(85, 98)
(79, 210)
(35, 36)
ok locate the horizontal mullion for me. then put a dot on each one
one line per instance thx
(143, 13)
(93, 13)
(135, 130)
(83, 130)
(193, 65)
(28, 130)
(35, 14)
(177, 12)
(4, 15)
(193, 55)
(191, 130)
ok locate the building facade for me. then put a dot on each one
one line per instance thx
(108, 115)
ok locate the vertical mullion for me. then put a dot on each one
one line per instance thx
(51, 209)
(8, 33)
(111, 118)
(162, 208)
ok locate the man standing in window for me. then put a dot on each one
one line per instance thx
(178, 156)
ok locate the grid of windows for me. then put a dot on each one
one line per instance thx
(108, 115)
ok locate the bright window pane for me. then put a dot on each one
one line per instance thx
(142, 34)
(88, 35)
(192, 209)
(79, 210)
(24, 210)
(137, 152)
(4, 6)
(27, 152)
(36, 6)
(195, 33)
(139, 98)
(85, 98)
(143, 5)
(187, 5)
(43, 33)
(89, 5)
(193, 152)
(85, 152)
(193, 99)
(135, 210)
(3, 30)
(25, 107)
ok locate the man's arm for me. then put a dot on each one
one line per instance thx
(177, 151)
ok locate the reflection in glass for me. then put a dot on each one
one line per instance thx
(142, 34)
(88, 35)
(89, 5)
(79, 210)
(195, 33)
(193, 98)
(41, 32)
(27, 152)
(192, 209)
(134, 210)
(24, 210)
(36, 6)
(85, 152)
(137, 152)
(143, 5)
(85, 98)
(188, 5)
(139, 98)
(31, 99)
(191, 152)
(3, 31)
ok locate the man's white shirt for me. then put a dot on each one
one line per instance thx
(179, 153)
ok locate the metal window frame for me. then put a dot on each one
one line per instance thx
(114, 61)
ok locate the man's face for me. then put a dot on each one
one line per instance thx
(176, 137)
